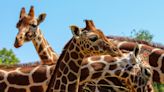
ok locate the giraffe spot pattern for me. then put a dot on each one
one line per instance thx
(40, 75)
(11, 89)
(23, 79)
(71, 76)
(98, 66)
(74, 55)
(3, 87)
(84, 74)
(2, 76)
(36, 89)
(96, 75)
(71, 87)
(156, 77)
(73, 66)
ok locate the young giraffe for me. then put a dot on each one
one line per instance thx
(151, 54)
(66, 76)
(29, 78)
(29, 30)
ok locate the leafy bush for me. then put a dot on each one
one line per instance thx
(8, 57)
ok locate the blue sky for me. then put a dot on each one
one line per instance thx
(113, 17)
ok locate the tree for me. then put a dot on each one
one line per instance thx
(142, 35)
(8, 57)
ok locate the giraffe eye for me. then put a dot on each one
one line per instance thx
(33, 25)
(93, 38)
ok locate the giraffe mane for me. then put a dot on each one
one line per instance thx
(129, 39)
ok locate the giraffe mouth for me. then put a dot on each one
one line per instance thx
(17, 44)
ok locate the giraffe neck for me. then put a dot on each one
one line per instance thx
(28, 78)
(66, 74)
(44, 50)
(151, 55)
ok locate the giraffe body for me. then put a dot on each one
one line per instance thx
(25, 78)
(66, 76)
(149, 53)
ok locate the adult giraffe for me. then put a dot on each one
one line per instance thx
(30, 77)
(29, 30)
(85, 43)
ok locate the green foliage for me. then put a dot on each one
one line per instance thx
(158, 87)
(8, 57)
(142, 35)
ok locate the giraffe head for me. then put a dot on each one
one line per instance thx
(92, 41)
(27, 26)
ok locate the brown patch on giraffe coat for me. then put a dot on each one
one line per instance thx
(11, 89)
(2, 76)
(23, 79)
(95, 58)
(112, 67)
(40, 48)
(84, 74)
(40, 75)
(117, 72)
(65, 70)
(64, 80)
(156, 76)
(162, 65)
(36, 89)
(72, 77)
(73, 66)
(67, 57)
(72, 87)
(98, 66)
(3, 86)
(116, 81)
(74, 55)
(96, 75)
(153, 57)
(57, 84)
(128, 46)
(62, 65)
(63, 87)
(125, 75)
(109, 59)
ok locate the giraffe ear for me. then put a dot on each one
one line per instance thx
(136, 50)
(75, 30)
(22, 13)
(41, 18)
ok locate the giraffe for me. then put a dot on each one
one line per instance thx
(30, 77)
(152, 54)
(29, 30)
(125, 74)
(25, 78)
(85, 43)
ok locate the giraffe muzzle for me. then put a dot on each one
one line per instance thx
(17, 44)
